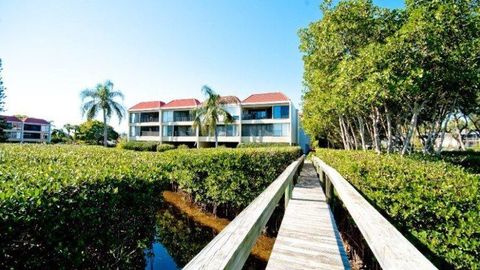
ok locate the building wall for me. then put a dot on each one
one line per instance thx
(288, 126)
(28, 132)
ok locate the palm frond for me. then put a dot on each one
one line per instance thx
(88, 93)
(207, 91)
(118, 109)
(115, 94)
(87, 106)
(92, 111)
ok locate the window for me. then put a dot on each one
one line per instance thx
(31, 135)
(134, 117)
(167, 130)
(149, 131)
(149, 117)
(167, 116)
(32, 127)
(257, 114)
(228, 130)
(280, 112)
(182, 116)
(275, 130)
(183, 131)
(45, 128)
(134, 131)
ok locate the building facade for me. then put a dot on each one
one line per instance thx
(262, 118)
(27, 129)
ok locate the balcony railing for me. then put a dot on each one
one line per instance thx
(150, 119)
(183, 118)
(255, 116)
(149, 133)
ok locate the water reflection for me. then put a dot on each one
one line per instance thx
(182, 238)
(158, 258)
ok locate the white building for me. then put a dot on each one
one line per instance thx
(27, 129)
(262, 118)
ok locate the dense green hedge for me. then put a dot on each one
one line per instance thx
(434, 201)
(165, 147)
(53, 197)
(258, 145)
(139, 145)
(224, 176)
(470, 160)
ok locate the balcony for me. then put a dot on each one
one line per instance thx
(149, 133)
(183, 118)
(274, 112)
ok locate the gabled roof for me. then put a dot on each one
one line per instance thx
(187, 102)
(10, 118)
(229, 100)
(31, 120)
(147, 105)
(266, 97)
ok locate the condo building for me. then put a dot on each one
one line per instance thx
(27, 129)
(262, 118)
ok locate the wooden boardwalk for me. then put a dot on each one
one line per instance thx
(308, 236)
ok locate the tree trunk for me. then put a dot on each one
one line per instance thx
(361, 128)
(105, 129)
(460, 141)
(353, 134)
(442, 136)
(216, 138)
(413, 124)
(376, 135)
(432, 136)
(389, 131)
(342, 133)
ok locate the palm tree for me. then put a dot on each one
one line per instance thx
(208, 115)
(102, 97)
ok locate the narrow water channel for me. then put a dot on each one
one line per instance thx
(178, 239)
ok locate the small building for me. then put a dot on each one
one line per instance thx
(27, 129)
(262, 118)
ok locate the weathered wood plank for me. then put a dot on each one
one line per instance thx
(308, 236)
(231, 247)
(390, 247)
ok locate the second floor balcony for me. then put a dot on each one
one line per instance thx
(146, 117)
(273, 112)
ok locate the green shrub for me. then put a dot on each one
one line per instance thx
(470, 160)
(258, 145)
(139, 146)
(50, 195)
(183, 146)
(165, 147)
(436, 202)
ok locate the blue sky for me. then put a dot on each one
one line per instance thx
(151, 50)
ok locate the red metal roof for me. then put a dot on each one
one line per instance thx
(146, 105)
(187, 102)
(10, 118)
(31, 120)
(266, 97)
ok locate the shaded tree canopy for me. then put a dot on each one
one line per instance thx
(91, 132)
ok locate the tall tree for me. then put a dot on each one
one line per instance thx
(3, 123)
(211, 113)
(92, 132)
(102, 98)
(389, 75)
